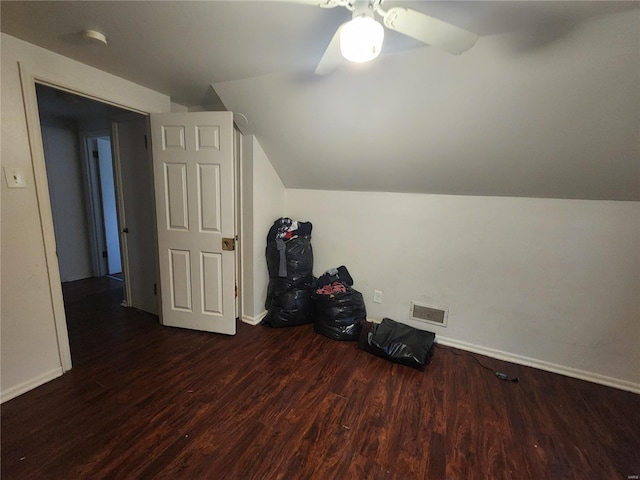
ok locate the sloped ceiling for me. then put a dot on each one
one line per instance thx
(546, 104)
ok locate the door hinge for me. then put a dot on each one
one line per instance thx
(104, 254)
(95, 154)
(155, 289)
(145, 142)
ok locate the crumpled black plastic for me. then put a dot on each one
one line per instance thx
(289, 309)
(399, 343)
(340, 274)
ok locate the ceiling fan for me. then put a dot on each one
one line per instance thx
(360, 39)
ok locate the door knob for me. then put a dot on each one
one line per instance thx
(228, 244)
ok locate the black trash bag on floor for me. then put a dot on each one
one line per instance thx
(289, 309)
(338, 315)
(397, 342)
(291, 282)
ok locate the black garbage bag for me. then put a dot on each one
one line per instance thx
(397, 342)
(340, 274)
(293, 260)
(338, 315)
(291, 281)
(277, 286)
(289, 309)
(289, 253)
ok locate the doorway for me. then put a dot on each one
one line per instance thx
(103, 200)
(88, 147)
(88, 83)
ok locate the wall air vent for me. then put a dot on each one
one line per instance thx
(429, 314)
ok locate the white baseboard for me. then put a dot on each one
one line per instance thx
(542, 365)
(254, 320)
(30, 385)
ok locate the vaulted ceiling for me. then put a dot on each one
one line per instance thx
(546, 104)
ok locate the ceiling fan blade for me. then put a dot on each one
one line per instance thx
(332, 57)
(430, 30)
(317, 3)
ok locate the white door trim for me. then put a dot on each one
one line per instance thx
(90, 84)
(237, 155)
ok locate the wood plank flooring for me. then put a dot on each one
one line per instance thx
(144, 401)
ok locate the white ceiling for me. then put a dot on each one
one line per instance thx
(546, 104)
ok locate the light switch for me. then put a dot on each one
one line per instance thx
(14, 177)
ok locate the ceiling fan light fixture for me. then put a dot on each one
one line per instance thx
(361, 39)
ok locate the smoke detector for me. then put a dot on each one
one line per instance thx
(95, 36)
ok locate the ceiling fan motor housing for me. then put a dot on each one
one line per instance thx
(365, 8)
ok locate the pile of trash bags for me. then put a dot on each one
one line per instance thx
(337, 311)
(295, 297)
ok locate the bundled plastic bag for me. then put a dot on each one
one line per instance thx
(290, 264)
(339, 308)
(397, 342)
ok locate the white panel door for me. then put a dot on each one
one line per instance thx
(135, 190)
(194, 185)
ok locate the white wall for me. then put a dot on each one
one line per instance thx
(68, 196)
(95, 125)
(551, 283)
(263, 203)
(29, 353)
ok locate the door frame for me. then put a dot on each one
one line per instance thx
(93, 84)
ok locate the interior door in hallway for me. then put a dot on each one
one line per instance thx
(109, 207)
(134, 180)
(194, 188)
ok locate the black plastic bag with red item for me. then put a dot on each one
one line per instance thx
(339, 308)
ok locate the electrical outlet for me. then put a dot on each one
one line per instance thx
(377, 296)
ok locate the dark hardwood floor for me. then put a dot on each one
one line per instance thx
(145, 401)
